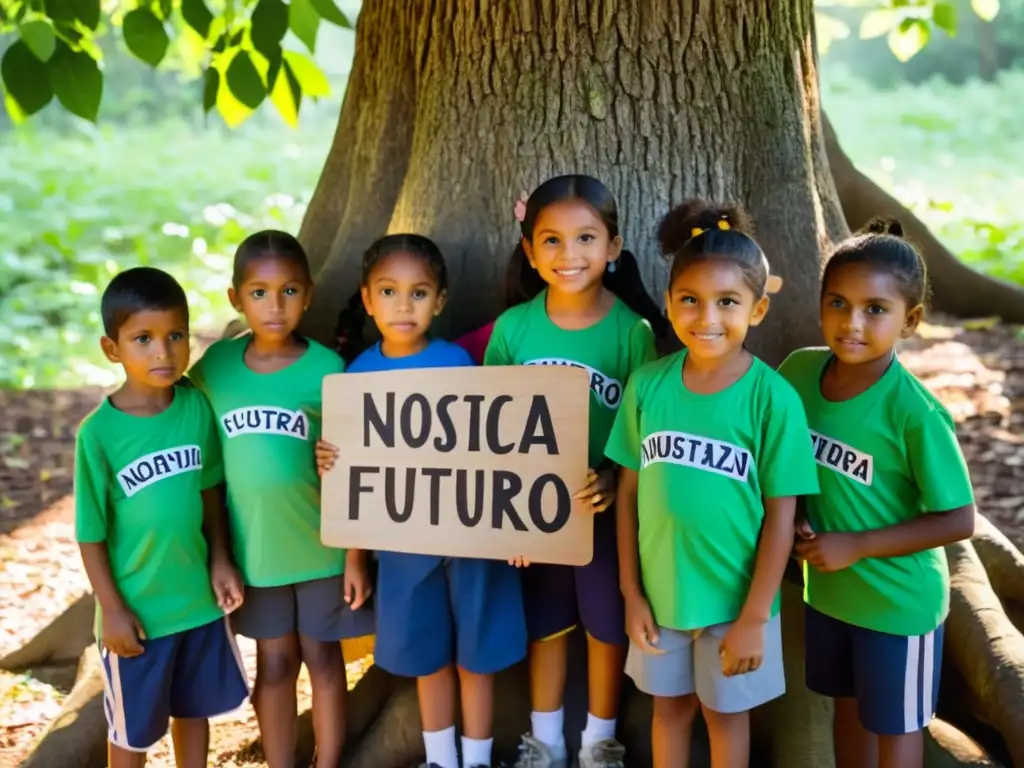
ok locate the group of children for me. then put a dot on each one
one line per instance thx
(198, 500)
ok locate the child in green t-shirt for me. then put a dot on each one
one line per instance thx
(301, 597)
(714, 453)
(153, 534)
(584, 305)
(894, 490)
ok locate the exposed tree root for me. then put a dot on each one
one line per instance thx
(947, 747)
(986, 647)
(1003, 562)
(61, 641)
(77, 738)
(956, 288)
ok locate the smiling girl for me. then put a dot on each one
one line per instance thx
(567, 259)
(714, 453)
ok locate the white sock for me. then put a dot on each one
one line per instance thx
(441, 748)
(548, 728)
(597, 730)
(476, 752)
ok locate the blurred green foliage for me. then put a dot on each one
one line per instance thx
(890, 43)
(247, 51)
(951, 153)
(77, 208)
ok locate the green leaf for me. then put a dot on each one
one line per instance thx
(25, 79)
(39, 37)
(827, 29)
(145, 36)
(877, 23)
(944, 16)
(269, 25)
(231, 109)
(77, 81)
(163, 8)
(312, 79)
(286, 95)
(909, 38)
(986, 9)
(198, 16)
(244, 81)
(86, 12)
(330, 12)
(211, 83)
(304, 22)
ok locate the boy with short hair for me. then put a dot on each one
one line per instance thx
(152, 531)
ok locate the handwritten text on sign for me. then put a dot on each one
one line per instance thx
(464, 462)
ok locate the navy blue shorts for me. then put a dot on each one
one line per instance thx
(557, 598)
(195, 674)
(433, 611)
(894, 678)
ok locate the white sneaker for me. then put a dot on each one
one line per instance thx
(535, 754)
(604, 754)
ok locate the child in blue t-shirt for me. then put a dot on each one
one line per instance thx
(446, 621)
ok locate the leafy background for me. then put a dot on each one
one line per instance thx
(158, 166)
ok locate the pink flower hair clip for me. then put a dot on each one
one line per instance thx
(520, 208)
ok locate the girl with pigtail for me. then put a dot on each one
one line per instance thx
(714, 452)
(583, 304)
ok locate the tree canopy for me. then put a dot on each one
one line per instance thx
(251, 52)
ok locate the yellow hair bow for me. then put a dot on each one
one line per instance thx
(722, 224)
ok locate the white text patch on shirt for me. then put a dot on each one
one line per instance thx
(607, 390)
(265, 420)
(842, 458)
(154, 467)
(698, 452)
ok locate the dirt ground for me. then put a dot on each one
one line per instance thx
(977, 369)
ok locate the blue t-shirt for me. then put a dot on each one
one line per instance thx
(438, 354)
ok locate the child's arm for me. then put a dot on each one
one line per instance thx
(122, 631)
(944, 482)
(640, 624)
(743, 644)
(841, 549)
(224, 576)
(786, 470)
(358, 586)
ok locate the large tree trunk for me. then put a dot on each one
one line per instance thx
(453, 108)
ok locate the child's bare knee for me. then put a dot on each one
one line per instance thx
(278, 667)
(324, 661)
(676, 710)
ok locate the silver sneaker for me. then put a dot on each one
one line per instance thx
(535, 754)
(604, 754)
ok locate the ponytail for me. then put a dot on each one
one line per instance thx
(349, 330)
(627, 283)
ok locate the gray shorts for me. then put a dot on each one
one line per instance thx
(315, 609)
(692, 665)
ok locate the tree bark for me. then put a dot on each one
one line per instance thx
(454, 107)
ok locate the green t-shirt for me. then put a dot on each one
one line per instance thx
(610, 350)
(269, 424)
(138, 487)
(884, 457)
(705, 462)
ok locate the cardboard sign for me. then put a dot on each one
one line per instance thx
(463, 462)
